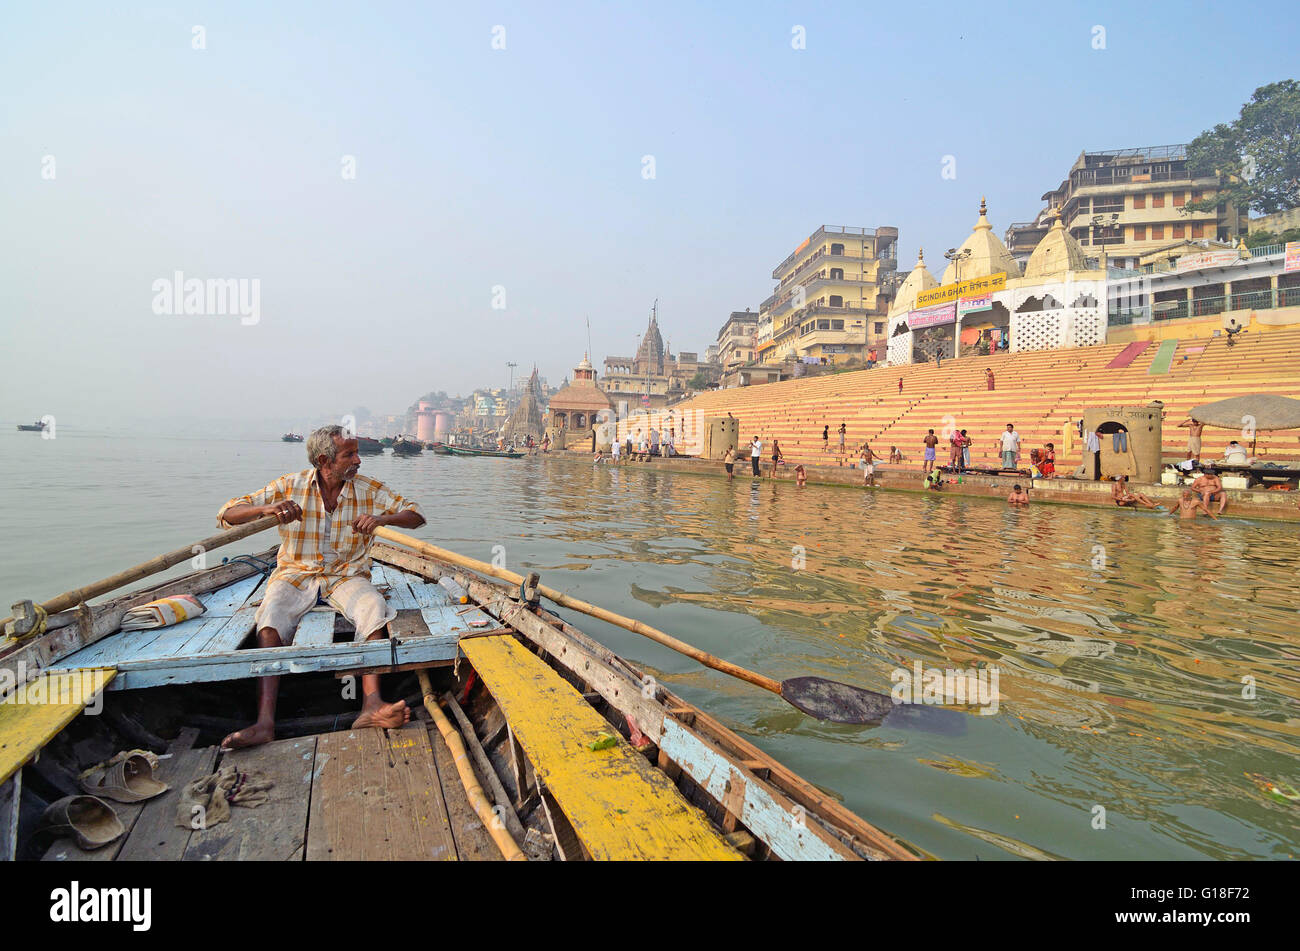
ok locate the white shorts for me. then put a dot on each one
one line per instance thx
(356, 599)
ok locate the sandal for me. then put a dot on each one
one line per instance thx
(130, 779)
(92, 821)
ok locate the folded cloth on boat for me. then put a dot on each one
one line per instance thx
(206, 801)
(163, 612)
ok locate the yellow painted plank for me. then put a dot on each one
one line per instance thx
(41, 708)
(620, 806)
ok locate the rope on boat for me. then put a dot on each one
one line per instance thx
(37, 629)
(265, 567)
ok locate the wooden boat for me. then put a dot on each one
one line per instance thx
(386, 441)
(440, 448)
(368, 447)
(577, 752)
(407, 447)
(493, 453)
(36, 427)
(291, 437)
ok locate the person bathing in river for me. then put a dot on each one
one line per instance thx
(1018, 496)
(326, 554)
(1189, 506)
(800, 476)
(1121, 495)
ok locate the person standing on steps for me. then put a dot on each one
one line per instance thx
(826, 438)
(844, 431)
(931, 440)
(755, 453)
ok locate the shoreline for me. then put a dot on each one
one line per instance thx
(1242, 503)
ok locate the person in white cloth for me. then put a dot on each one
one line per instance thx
(326, 554)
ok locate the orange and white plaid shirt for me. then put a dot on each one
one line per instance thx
(303, 545)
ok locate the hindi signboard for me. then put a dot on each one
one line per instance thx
(931, 316)
(1292, 260)
(1191, 262)
(970, 288)
(974, 305)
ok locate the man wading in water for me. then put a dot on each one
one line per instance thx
(327, 554)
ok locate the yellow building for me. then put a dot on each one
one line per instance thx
(829, 301)
(1129, 202)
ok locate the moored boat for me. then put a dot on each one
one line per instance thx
(368, 447)
(291, 437)
(576, 751)
(500, 454)
(407, 447)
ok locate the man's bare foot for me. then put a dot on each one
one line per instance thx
(254, 735)
(388, 716)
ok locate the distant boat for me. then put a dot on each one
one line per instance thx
(441, 448)
(368, 447)
(491, 453)
(36, 427)
(386, 441)
(407, 447)
(291, 437)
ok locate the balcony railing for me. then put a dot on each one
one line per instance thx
(1207, 306)
(824, 229)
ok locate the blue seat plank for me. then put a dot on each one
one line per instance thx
(399, 592)
(426, 594)
(316, 629)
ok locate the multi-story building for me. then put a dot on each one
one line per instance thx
(736, 339)
(832, 295)
(1127, 202)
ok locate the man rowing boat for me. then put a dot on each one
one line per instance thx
(326, 556)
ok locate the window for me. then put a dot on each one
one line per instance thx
(837, 325)
(837, 274)
(823, 325)
(836, 300)
(880, 327)
(837, 249)
(1196, 194)
(1178, 231)
(1139, 232)
(1157, 232)
(1198, 230)
(1139, 201)
(1179, 199)
(1158, 200)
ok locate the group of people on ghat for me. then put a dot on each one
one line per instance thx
(640, 447)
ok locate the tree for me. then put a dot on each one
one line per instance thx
(1258, 154)
(1258, 239)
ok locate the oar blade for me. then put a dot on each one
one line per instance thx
(834, 701)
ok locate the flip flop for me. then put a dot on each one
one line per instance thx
(130, 780)
(91, 821)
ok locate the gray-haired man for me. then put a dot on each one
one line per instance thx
(326, 554)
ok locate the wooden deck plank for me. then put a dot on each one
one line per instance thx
(156, 837)
(316, 629)
(376, 797)
(42, 707)
(619, 805)
(399, 592)
(10, 797)
(231, 634)
(426, 593)
(473, 842)
(275, 830)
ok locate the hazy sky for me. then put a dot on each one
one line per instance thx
(128, 155)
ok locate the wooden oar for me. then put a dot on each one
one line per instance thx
(79, 595)
(816, 696)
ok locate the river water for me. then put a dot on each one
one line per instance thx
(1147, 693)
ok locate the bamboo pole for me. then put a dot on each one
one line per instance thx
(559, 597)
(477, 798)
(79, 595)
